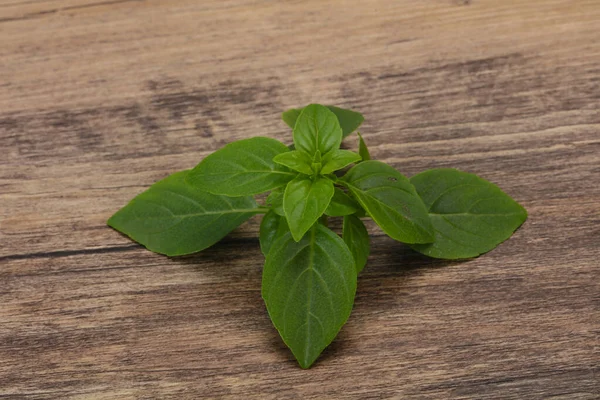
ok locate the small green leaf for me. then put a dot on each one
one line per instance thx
(341, 204)
(470, 215)
(317, 157)
(173, 218)
(308, 288)
(317, 128)
(338, 159)
(242, 168)
(296, 160)
(275, 201)
(291, 116)
(316, 164)
(363, 149)
(272, 227)
(349, 120)
(391, 201)
(304, 201)
(356, 237)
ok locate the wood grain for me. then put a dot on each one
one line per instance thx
(99, 99)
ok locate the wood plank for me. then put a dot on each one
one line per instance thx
(99, 99)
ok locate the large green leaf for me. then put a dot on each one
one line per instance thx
(338, 159)
(242, 168)
(309, 289)
(356, 237)
(349, 120)
(341, 204)
(304, 201)
(174, 218)
(470, 215)
(391, 201)
(317, 128)
(272, 227)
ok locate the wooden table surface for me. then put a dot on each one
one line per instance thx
(99, 99)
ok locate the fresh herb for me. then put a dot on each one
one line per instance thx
(310, 272)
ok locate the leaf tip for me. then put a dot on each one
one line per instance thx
(305, 364)
(297, 237)
(113, 221)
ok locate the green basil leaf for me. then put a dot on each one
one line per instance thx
(296, 160)
(317, 128)
(338, 159)
(291, 116)
(470, 215)
(275, 201)
(174, 218)
(341, 204)
(242, 168)
(317, 157)
(272, 227)
(308, 288)
(363, 150)
(349, 120)
(391, 201)
(356, 237)
(304, 201)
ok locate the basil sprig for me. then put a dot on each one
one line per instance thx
(310, 272)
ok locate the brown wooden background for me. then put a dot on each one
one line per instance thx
(99, 99)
